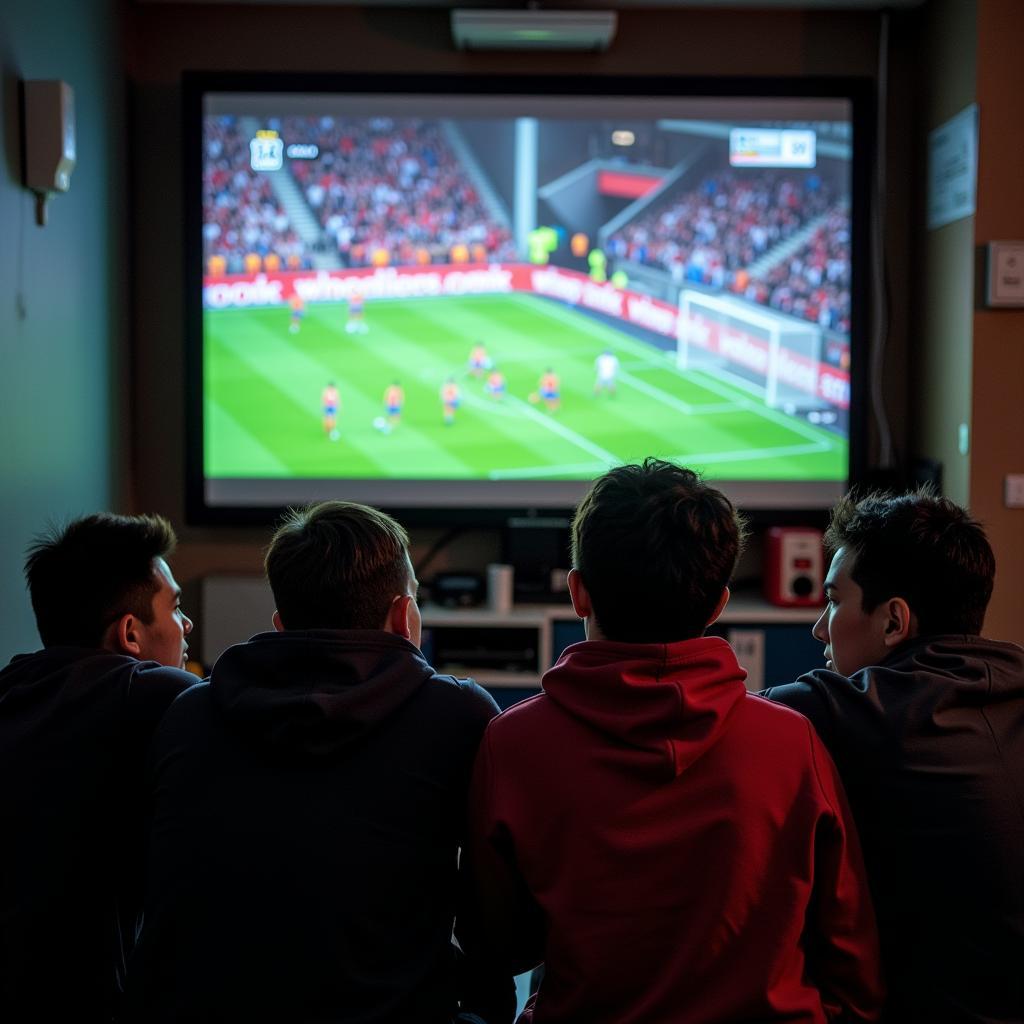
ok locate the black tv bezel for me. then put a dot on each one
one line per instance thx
(195, 85)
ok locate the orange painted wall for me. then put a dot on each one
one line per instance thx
(998, 364)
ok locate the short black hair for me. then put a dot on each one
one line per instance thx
(85, 575)
(337, 565)
(655, 547)
(921, 547)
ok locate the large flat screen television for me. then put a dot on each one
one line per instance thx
(466, 297)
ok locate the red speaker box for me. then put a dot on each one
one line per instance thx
(794, 570)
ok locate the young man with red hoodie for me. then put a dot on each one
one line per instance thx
(671, 847)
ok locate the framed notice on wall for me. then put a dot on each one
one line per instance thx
(953, 168)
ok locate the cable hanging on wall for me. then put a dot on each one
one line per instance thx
(880, 283)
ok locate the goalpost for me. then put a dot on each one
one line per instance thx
(774, 356)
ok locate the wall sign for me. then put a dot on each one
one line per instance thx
(953, 168)
(1005, 277)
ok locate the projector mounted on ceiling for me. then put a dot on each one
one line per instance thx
(533, 30)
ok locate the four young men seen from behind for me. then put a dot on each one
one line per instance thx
(669, 846)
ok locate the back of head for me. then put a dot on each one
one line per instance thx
(87, 575)
(923, 548)
(337, 565)
(655, 547)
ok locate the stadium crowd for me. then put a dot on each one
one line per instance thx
(376, 185)
(394, 191)
(396, 186)
(711, 235)
(241, 213)
(814, 282)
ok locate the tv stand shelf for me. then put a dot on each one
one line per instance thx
(510, 650)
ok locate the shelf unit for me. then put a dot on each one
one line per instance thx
(509, 651)
(764, 634)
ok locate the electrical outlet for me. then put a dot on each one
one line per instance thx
(749, 647)
(1013, 490)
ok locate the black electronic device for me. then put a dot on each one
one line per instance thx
(538, 549)
(469, 649)
(457, 589)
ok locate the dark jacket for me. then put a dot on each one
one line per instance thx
(308, 808)
(930, 746)
(75, 725)
(676, 850)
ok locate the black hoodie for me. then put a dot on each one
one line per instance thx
(930, 747)
(309, 805)
(75, 726)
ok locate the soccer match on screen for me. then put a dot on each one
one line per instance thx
(503, 298)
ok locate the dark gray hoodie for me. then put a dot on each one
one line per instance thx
(75, 726)
(930, 747)
(308, 809)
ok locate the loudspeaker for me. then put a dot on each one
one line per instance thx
(793, 567)
(49, 140)
(538, 548)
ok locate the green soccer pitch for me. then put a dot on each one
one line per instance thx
(263, 414)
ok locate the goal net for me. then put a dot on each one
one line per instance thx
(773, 356)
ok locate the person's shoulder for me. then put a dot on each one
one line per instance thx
(837, 705)
(153, 688)
(812, 691)
(521, 719)
(187, 708)
(776, 730)
(151, 671)
(463, 693)
(159, 678)
(113, 672)
(956, 654)
(195, 693)
(780, 712)
(90, 673)
(792, 741)
(524, 729)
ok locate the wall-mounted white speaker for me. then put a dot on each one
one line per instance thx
(533, 30)
(49, 108)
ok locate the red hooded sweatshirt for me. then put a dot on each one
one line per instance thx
(674, 849)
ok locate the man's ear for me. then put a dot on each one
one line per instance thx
(123, 636)
(276, 620)
(900, 622)
(398, 617)
(720, 607)
(580, 597)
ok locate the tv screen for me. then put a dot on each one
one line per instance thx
(473, 295)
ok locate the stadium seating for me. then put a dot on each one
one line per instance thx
(713, 234)
(241, 214)
(814, 282)
(396, 188)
